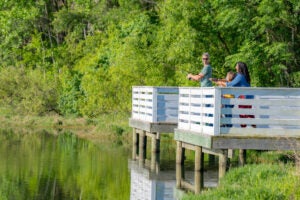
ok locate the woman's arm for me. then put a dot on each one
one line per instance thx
(235, 81)
(221, 82)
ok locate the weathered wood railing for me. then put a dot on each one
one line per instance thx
(216, 111)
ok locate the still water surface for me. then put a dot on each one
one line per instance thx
(46, 166)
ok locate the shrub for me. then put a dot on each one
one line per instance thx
(27, 93)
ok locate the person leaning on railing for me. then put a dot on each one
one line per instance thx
(205, 74)
(242, 79)
(204, 78)
(229, 77)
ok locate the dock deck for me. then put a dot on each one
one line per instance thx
(215, 120)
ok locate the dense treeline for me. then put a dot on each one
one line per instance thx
(81, 57)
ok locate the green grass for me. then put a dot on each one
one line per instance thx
(272, 175)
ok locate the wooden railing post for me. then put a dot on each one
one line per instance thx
(217, 111)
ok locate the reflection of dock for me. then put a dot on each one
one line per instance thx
(204, 122)
(146, 185)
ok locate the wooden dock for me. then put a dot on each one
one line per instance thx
(205, 120)
(154, 111)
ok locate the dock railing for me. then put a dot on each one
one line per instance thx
(155, 104)
(220, 111)
(239, 111)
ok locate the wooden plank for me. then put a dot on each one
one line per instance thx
(168, 90)
(167, 112)
(262, 91)
(259, 131)
(264, 121)
(164, 104)
(167, 97)
(192, 138)
(288, 111)
(187, 185)
(261, 102)
(259, 143)
(161, 127)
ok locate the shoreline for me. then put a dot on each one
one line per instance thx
(103, 128)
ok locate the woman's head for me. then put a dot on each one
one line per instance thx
(242, 68)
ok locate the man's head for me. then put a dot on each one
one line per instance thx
(205, 58)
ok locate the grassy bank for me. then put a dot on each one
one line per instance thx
(112, 126)
(269, 175)
(259, 182)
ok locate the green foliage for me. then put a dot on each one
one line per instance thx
(100, 49)
(69, 96)
(264, 181)
(33, 92)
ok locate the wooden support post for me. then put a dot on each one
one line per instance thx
(230, 153)
(154, 146)
(211, 160)
(199, 169)
(223, 163)
(134, 143)
(179, 164)
(142, 148)
(242, 157)
(158, 154)
(154, 153)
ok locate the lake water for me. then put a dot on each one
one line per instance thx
(46, 166)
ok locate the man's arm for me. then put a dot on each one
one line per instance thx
(196, 77)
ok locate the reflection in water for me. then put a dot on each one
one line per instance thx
(43, 166)
(62, 167)
(147, 185)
